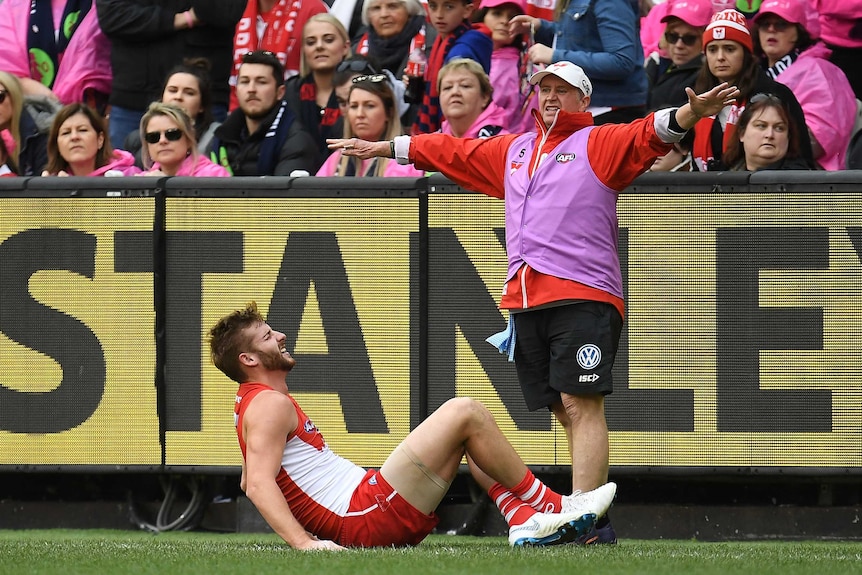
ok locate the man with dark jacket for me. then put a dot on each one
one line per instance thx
(149, 37)
(263, 137)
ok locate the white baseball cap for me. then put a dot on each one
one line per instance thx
(571, 73)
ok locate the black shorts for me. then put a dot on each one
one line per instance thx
(569, 348)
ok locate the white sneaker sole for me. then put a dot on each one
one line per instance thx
(565, 533)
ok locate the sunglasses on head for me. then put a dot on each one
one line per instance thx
(776, 24)
(687, 39)
(370, 78)
(763, 97)
(3, 96)
(254, 53)
(356, 66)
(171, 135)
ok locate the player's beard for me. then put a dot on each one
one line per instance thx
(276, 361)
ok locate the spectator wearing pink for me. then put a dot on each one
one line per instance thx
(26, 143)
(466, 101)
(791, 52)
(372, 114)
(841, 30)
(652, 30)
(5, 169)
(56, 49)
(509, 63)
(169, 145)
(685, 22)
(78, 145)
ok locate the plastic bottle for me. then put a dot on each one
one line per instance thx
(415, 71)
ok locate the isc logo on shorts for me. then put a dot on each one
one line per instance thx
(589, 356)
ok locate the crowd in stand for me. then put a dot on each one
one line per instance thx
(256, 87)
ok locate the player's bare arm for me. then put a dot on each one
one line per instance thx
(267, 422)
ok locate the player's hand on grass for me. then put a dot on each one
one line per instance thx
(322, 545)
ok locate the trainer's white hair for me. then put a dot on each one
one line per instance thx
(414, 7)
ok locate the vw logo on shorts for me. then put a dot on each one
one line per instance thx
(589, 356)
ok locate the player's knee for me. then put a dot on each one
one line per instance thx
(466, 409)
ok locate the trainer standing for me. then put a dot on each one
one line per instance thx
(564, 284)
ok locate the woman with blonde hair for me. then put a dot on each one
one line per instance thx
(29, 153)
(372, 114)
(78, 145)
(311, 95)
(465, 101)
(169, 147)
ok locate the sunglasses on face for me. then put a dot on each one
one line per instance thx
(370, 78)
(3, 96)
(171, 135)
(776, 24)
(355, 66)
(687, 39)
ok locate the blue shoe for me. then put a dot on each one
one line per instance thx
(543, 529)
(604, 535)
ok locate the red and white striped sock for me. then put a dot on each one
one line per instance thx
(513, 509)
(537, 495)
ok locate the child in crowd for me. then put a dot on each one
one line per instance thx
(510, 64)
(456, 38)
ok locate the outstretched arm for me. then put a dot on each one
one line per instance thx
(705, 104)
(362, 149)
(267, 422)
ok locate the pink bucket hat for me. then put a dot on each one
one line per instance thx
(794, 11)
(693, 12)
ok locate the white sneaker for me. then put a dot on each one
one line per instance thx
(550, 529)
(596, 501)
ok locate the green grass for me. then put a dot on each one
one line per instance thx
(63, 552)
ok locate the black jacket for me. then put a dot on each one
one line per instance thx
(33, 156)
(667, 88)
(239, 151)
(145, 45)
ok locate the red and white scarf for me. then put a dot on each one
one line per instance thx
(280, 36)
